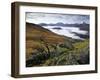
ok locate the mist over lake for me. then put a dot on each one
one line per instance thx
(67, 31)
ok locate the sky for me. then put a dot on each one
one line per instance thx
(35, 17)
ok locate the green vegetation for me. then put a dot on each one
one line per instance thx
(45, 48)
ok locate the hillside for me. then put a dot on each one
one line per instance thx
(44, 48)
(35, 34)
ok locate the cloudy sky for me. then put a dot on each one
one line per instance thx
(37, 18)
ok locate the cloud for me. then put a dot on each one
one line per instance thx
(33, 17)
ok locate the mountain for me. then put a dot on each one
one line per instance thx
(45, 48)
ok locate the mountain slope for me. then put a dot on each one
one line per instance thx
(36, 34)
(45, 48)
